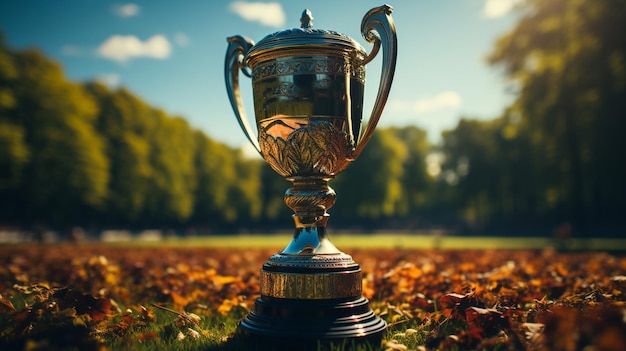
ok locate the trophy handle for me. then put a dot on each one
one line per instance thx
(378, 28)
(238, 47)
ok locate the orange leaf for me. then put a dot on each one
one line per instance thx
(179, 300)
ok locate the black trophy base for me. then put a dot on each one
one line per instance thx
(290, 324)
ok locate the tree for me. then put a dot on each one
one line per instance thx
(125, 123)
(371, 187)
(415, 180)
(245, 194)
(567, 59)
(13, 154)
(273, 188)
(51, 120)
(170, 195)
(84, 154)
(487, 164)
(13, 149)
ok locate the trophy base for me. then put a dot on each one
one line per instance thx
(294, 324)
(312, 302)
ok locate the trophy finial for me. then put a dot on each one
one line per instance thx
(306, 19)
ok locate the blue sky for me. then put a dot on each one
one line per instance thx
(171, 53)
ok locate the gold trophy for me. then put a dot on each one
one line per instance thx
(308, 87)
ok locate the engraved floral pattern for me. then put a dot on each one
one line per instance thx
(317, 149)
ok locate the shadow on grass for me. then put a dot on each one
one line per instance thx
(241, 341)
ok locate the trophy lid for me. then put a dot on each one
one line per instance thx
(289, 41)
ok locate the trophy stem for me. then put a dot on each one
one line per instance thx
(309, 198)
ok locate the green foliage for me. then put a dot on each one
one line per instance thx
(566, 60)
(216, 175)
(273, 204)
(389, 178)
(415, 180)
(125, 122)
(170, 194)
(371, 186)
(54, 147)
(228, 184)
(84, 154)
(13, 154)
(550, 160)
(88, 155)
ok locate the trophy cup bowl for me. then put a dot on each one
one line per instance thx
(308, 87)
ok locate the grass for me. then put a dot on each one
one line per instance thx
(170, 334)
(394, 240)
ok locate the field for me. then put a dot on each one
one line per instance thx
(394, 240)
(436, 293)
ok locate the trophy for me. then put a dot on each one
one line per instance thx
(308, 87)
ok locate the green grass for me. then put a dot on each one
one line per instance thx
(394, 240)
(213, 330)
(215, 333)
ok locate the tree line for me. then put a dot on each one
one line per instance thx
(84, 154)
(560, 144)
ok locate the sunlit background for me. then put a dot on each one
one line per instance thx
(505, 117)
(172, 54)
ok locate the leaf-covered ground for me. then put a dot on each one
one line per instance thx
(103, 297)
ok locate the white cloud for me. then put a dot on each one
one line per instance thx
(443, 100)
(126, 10)
(182, 39)
(268, 14)
(434, 113)
(122, 48)
(111, 80)
(499, 8)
